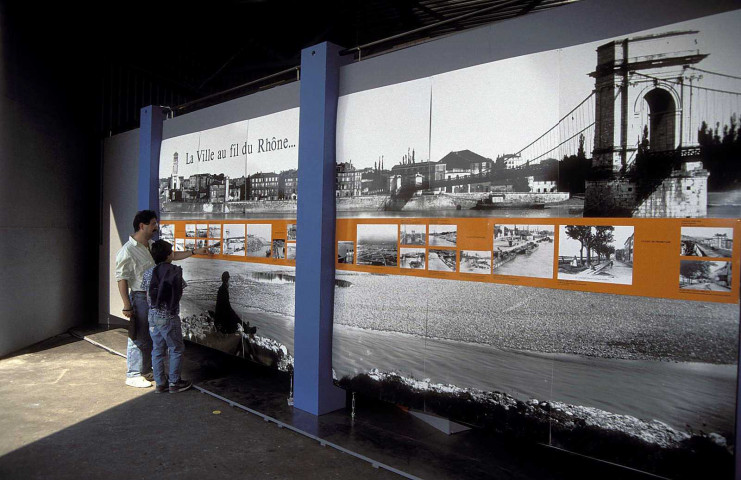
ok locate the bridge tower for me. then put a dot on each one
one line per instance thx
(644, 108)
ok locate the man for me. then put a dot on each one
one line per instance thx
(132, 261)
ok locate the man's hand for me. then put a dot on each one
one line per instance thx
(123, 290)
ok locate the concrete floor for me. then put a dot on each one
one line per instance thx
(66, 413)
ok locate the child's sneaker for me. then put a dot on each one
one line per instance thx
(161, 388)
(180, 386)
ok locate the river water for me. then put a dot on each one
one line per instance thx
(698, 394)
(701, 395)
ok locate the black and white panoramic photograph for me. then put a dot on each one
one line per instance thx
(443, 235)
(259, 236)
(345, 252)
(291, 251)
(214, 230)
(412, 234)
(412, 258)
(220, 314)
(179, 245)
(214, 247)
(190, 230)
(524, 250)
(279, 248)
(601, 253)
(705, 275)
(291, 231)
(234, 239)
(707, 242)
(238, 171)
(201, 230)
(167, 232)
(190, 243)
(378, 244)
(442, 260)
(476, 261)
(520, 137)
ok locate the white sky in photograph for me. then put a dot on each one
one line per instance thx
(276, 126)
(377, 233)
(384, 121)
(260, 230)
(495, 108)
(706, 232)
(233, 230)
(567, 246)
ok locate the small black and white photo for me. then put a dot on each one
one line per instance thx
(190, 230)
(443, 236)
(602, 253)
(442, 260)
(291, 251)
(214, 247)
(413, 234)
(707, 242)
(167, 232)
(201, 230)
(234, 239)
(523, 250)
(179, 244)
(190, 243)
(345, 252)
(214, 230)
(377, 244)
(200, 242)
(476, 261)
(705, 275)
(291, 231)
(415, 258)
(279, 248)
(259, 238)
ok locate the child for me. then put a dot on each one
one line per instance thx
(164, 285)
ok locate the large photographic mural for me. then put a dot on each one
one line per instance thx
(234, 190)
(546, 246)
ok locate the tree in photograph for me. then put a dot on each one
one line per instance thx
(720, 149)
(582, 234)
(602, 240)
(694, 270)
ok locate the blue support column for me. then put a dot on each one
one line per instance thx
(150, 139)
(314, 390)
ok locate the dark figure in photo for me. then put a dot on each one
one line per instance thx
(226, 319)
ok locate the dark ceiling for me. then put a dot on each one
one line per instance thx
(174, 53)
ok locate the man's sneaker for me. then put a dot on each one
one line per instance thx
(139, 382)
(161, 388)
(180, 386)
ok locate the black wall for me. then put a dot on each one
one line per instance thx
(49, 174)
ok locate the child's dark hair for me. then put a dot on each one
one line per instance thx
(161, 249)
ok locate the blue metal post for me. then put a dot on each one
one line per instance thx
(150, 139)
(314, 390)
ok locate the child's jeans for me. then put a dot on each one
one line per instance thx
(166, 334)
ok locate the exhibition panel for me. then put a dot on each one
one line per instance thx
(543, 245)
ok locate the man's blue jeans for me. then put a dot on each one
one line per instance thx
(139, 351)
(167, 334)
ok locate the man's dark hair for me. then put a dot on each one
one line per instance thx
(161, 249)
(144, 216)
